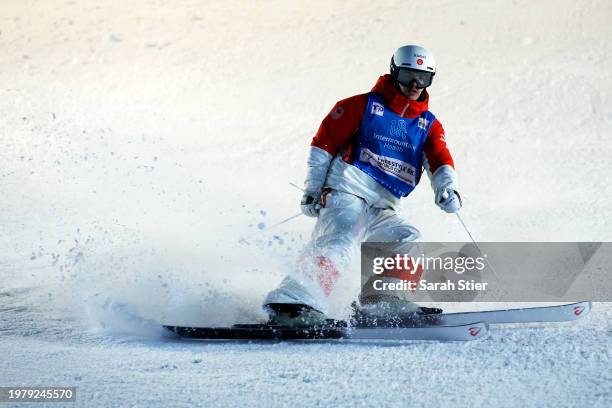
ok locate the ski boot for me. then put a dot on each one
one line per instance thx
(292, 304)
(295, 315)
(391, 311)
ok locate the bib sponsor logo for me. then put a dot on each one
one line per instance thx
(377, 109)
(393, 167)
(394, 144)
(423, 123)
(399, 129)
(337, 112)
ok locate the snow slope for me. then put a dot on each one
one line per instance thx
(146, 146)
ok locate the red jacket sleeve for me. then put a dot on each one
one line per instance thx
(340, 124)
(435, 148)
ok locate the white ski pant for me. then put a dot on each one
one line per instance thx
(343, 223)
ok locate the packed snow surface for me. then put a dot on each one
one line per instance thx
(147, 147)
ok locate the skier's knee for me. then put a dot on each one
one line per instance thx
(411, 234)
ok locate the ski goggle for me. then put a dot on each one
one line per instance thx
(422, 78)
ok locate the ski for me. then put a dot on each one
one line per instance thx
(441, 327)
(462, 332)
(334, 330)
(559, 313)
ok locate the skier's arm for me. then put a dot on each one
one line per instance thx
(318, 164)
(440, 168)
(333, 135)
(340, 124)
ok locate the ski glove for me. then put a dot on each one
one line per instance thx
(444, 184)
(318, 164)
(311, 203)
(449, 201)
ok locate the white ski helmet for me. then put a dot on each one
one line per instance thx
(412, 63)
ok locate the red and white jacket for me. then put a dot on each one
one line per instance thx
(329, 162)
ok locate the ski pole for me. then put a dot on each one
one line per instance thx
(284, 221)
(296, 186)
(475, 244)
(289, 218)
(467, 230)
(246, 239)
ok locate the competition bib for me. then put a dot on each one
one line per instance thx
(390, 147)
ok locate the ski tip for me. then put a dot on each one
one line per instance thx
(581, 309)
(476, 330)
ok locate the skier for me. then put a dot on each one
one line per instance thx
(368, 153)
